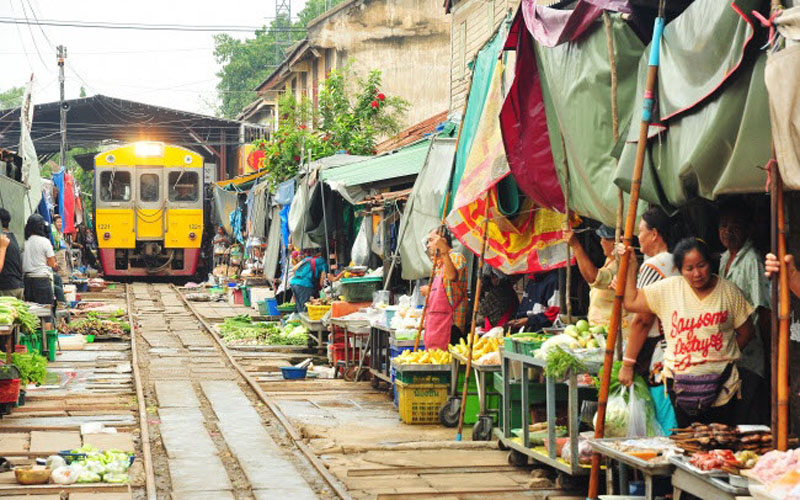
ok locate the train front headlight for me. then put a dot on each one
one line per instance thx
(149, 149)
(106, 235)
(192, 235)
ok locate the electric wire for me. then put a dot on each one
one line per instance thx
(148, 27)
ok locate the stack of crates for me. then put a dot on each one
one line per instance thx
(396, 348)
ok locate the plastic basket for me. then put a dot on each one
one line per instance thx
(315, 313)
(415, 377)
(262, 307)
(287, 309)
(360, 289)
(526, 348)
(9, 390)
(420, 403)
(293, 372)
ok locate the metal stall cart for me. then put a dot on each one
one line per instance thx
(702, 484)
(486, 418)
(648, 468)
(520, 450)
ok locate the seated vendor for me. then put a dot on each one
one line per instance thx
(499, 301)
(539, 307)
(446, 316)
(601, 296)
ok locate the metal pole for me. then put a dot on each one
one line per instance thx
(62, 55)
(636, 183)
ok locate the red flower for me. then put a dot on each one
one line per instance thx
(302, 127)
(381, 96)
(374, 104)
(296, 159)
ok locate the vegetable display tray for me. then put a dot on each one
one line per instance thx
(717, 478)
(605, 447)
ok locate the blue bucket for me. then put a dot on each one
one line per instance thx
(292, 372)
(272, 307)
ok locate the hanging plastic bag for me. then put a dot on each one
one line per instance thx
(361, 247)
(617, 416)
(637, 411)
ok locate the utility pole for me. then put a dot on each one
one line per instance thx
(62, 55)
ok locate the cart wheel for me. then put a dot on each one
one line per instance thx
(482, 430)
(448, 413)
(375, 382)
(517, 458)
(501, 445)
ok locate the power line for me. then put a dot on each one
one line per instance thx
(30, 30)
(146, 27)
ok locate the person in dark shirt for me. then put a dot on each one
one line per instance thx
(539, 307)
(11, 283)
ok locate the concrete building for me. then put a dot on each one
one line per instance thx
(407, 40)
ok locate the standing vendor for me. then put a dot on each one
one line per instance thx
(446, 316)
(706, 322)
(601, 296)
(11, 283)
(741, 264)
(308, 275)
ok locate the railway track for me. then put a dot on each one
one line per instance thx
(207, 427)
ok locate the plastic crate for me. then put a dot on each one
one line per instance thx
(526, 348)
(315, 313)
(420, 403)
(360, 289)
(415, 377)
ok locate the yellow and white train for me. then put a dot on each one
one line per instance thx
(148, 199)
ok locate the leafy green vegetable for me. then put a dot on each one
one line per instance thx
(560, 363)
(32, 367)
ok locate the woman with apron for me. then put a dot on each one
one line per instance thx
(447, 294)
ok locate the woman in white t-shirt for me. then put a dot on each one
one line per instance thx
(706, 321)
(38, 263)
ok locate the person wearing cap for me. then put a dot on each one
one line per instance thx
(601, 296)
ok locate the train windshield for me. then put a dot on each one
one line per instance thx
(184, 186)
(115, 186)
(148, 187)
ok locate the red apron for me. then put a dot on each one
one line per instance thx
(439, 317)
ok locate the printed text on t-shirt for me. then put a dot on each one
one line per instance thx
(684, 347)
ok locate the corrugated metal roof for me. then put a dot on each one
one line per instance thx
(401, 163)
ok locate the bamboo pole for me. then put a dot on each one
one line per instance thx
(783, 331)
(471, 340)
(774, 315)
(636, 183)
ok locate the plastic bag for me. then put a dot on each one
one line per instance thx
(584, 451)
(637, 410)
(66, 475)
(53, 462)
(617, 416)
(361, 247)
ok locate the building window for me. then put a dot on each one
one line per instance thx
(294, 87)
(315, 83)
(303, 84)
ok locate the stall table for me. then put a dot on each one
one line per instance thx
(482, 430)
(356, 338)
(687, 479)
(380, 363)
(316, 331)
(520, 452)
(648, 468)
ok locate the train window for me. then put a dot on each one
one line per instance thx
(184, 186)
(115, 186)
(149, 187)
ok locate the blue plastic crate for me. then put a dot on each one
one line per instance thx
(293, 372)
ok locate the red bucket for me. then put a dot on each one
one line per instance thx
(9, 390)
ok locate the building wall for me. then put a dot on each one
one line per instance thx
(408, 40)
(473, 24)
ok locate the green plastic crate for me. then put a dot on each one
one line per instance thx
(415, 377)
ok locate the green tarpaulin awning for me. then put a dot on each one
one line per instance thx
(401, 163)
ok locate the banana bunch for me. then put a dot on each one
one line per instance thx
(426, 357)
(482, 346)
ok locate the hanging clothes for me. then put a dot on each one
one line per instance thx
(68, 217)
(59, 181)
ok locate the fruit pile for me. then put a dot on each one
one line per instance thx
(426, 357)
(483, 345)
(584, 334)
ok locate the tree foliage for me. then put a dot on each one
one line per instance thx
(11, 98)
(348, 121)
(247, 63)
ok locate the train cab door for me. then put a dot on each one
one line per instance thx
(149, 204)
(185, 208)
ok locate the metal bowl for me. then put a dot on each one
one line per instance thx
(32, 475)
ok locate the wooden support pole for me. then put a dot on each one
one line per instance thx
(783, 331)
(471, 340)
(636, 184)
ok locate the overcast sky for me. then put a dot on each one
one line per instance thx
(167, 68)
